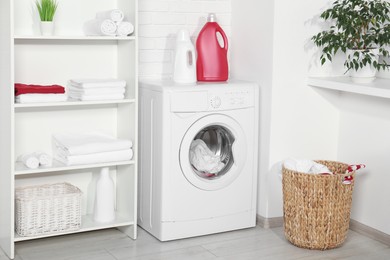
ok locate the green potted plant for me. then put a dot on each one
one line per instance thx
(46, 10)
(361, 29)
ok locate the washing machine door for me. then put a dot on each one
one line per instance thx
(213, 152)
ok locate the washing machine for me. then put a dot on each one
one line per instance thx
(198, 158)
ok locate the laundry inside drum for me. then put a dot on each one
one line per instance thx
(211, 152)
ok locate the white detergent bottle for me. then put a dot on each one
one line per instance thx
(185, 60)
(105, 197)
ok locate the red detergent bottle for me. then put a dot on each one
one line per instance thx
(212, 63)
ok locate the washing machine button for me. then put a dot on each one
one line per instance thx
(240, 101)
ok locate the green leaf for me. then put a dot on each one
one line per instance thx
(46, 9)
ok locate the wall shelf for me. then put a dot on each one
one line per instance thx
(74, 103)
(74, 37)
(379, 88)
(87, 224)
(20, 169)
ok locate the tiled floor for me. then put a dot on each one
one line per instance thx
(255, 243)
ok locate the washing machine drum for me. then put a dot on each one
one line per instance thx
(213, 152)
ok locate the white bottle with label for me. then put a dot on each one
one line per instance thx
(104, 210)
(185, 60)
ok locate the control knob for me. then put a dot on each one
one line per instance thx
(215, 102)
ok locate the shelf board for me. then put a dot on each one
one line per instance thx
(74, 37)
(73, 103)
(379, 88)
(20, 169)
(87, 224)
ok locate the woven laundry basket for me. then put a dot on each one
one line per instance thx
(317, 207)
(47, 209)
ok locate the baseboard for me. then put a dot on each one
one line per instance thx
(269, 222)
(353, 225)
(369, 232)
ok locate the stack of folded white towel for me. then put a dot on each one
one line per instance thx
(109, 23)
(96, 89)
(89, 148)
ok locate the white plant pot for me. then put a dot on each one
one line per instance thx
(366, 74)
(47, 28)
(385, 74)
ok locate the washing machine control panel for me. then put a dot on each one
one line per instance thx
(230, 99)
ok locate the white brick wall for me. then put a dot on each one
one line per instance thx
(160, 20)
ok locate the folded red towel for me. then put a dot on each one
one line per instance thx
(35, 89)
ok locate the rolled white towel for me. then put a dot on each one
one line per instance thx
(124, 28)
(29, 160)
(44, 158)
(115, 15)
(98, 27)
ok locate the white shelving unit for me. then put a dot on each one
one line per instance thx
(27, 57)
(379, 88)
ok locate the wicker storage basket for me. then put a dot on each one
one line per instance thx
(47, 209)
(317, 207)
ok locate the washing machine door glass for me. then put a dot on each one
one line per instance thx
(210, 152)
(213, 152)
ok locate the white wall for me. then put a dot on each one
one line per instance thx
(297, 121)
(252, 59)
(160, 20)
(364, 138)
(349, 128)
(305, 122)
